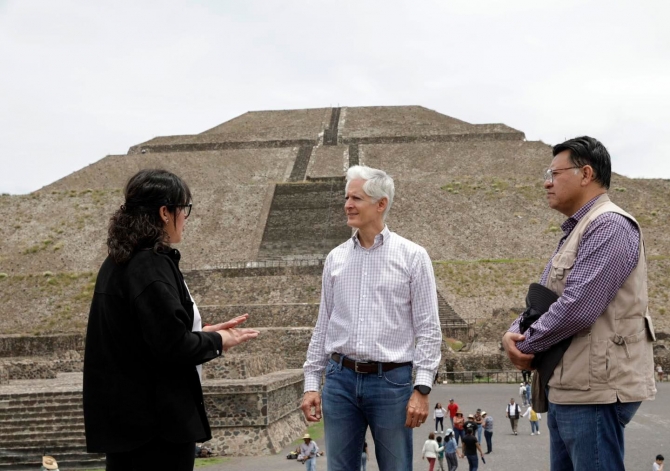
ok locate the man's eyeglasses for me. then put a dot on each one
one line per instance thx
(550, 172)
(186, 208)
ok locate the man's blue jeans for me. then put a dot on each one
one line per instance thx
(353, 401)
(310, 464)
(588, 437)
(473, 461)
(489, 441)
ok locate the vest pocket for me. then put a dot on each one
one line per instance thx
(561, 265)
(574, 373)
(634, 356)
(599, 361)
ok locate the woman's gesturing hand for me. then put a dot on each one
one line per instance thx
(230, 334)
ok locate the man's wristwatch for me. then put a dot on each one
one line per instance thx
(425, 390)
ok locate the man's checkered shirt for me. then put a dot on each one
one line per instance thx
(375, 304)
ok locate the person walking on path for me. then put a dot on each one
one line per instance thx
(430, 451)
(528, 397)
(470, 449)
(440, 455)
(453, 408)
(459, 426)
(534, 418)
(512, 413)
(522, 394)
(378, 323)
(364, 457)
(438, 415)
(488, 432)
(451, 450)
(309, 451)
(658, 464)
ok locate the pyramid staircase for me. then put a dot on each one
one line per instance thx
(44, 423)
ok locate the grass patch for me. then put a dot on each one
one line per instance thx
(315, 431)
(455, 345)
(200, 462)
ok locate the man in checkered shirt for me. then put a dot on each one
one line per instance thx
(599, 273)
(378, 320)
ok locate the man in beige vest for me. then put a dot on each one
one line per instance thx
(599, 272)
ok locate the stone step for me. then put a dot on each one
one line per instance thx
(265, 315)
(49, 443)
(289, 343)
(261, 285)
(33, 461)
(42, 396)
(305, 218)
(60, 435)
(448, 316)
(32, 419)
(30, 401)
(233, 366)
(21, 424)
(40, 409)
(46, 420)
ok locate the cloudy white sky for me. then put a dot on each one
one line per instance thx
(83, 79)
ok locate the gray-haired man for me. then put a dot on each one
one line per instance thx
(377, 321)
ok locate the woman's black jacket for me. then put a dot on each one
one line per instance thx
(140, 377)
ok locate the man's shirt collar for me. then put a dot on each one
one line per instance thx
(570, 223)
(379, 238)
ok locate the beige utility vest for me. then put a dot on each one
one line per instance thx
(612, 359)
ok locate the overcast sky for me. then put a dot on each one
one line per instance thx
(83, 79)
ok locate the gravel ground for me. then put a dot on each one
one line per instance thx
(646, 436)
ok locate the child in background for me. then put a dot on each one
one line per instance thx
(658, 464)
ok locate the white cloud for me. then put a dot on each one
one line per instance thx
(84, 79)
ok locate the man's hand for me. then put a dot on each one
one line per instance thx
(311, 406)
(417, 409)
(520, 360)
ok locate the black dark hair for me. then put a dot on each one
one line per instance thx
(137, 224)
(586, 150)
(660, 457)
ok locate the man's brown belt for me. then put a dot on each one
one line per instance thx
(367, 366)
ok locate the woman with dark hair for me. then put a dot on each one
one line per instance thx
(144, 342)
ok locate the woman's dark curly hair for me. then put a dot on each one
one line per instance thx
(137, 224)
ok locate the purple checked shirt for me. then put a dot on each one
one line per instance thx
(607, 254)
(377, 304)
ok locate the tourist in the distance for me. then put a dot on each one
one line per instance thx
(430, 451)
(438, 415)
(364, 457)
(488, 432)
(479, 420)
(658, 464)
(452, 408)
(309, 452)
(451, 450)
(470, 449)
(142, 392)
(513, 413)
(440, 454)
(534, 418)
(459, 426)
